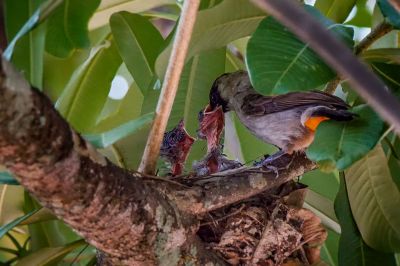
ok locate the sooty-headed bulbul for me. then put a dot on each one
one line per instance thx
(287, 121)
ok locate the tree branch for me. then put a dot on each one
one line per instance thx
(170, 86)
(225, 188)
(379, 31)
(337, 55)
(115, 211)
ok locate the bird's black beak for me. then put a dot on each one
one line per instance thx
(216, 99)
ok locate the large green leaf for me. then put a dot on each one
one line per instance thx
(216, 27)
(336, 10)
(139, 44)
(279, 62)
(352, 249)
(325, 184)
(68, 27)
(383, 55)
(389, 73)
(121, 111)
(374, 200)
(49, 256)
(11, 203)
(44, 234)
(109, 7)
(339, 144)
(83, 99)
(129, 151)
(27, 55)
(105, 139)
(389, 12)
(392, 151)
(363, 14)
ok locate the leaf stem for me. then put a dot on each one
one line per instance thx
(379, 31)
(170, 86)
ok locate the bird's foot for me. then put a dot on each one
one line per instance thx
(268, 160)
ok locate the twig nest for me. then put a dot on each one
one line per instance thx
(265, 232)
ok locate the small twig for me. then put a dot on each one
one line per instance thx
(259, 252)
(379, 31)
(214, 221)
(170, 86)
(159, 178)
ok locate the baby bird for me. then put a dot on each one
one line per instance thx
(175, 147)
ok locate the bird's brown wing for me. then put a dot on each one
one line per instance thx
(257, 104)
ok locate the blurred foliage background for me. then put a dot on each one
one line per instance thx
(102, 64)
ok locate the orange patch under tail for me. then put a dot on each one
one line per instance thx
(313, 122)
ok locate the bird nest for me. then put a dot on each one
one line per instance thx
(269, 227)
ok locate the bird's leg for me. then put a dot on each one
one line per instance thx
(268, 160)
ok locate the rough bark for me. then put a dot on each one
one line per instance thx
(112, 209)
(131, 219)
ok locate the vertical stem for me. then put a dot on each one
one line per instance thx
(170, 86)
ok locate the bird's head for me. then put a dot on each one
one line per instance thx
(226, 87)
(218, 95)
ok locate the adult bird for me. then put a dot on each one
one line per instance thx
(287, 121)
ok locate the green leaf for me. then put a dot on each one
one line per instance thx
(42, 215)
(375, 209)
(336, 10)
(129, 151)
(279, 62)
(322, 204)
(389, 73)
(49, 256)
(11, 203)
(118, 112)
(392, 151)
(58, 71)
(85, 95)
(216, 27)
(363, 14)
(67, 28)
(352, 249)
(390, 13)
(325, 184)
(139, 44)
(382, 55)
(7, 179)
(339, 144)
(27, 54)
(329, 250)
(5, 228)
(108, 138)
(107, 8)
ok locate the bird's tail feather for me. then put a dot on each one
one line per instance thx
(334, 114)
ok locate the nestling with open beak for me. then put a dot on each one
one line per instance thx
(287, 121)
(175, 147)
(211, 126)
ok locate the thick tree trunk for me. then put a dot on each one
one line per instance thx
(130, 219)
